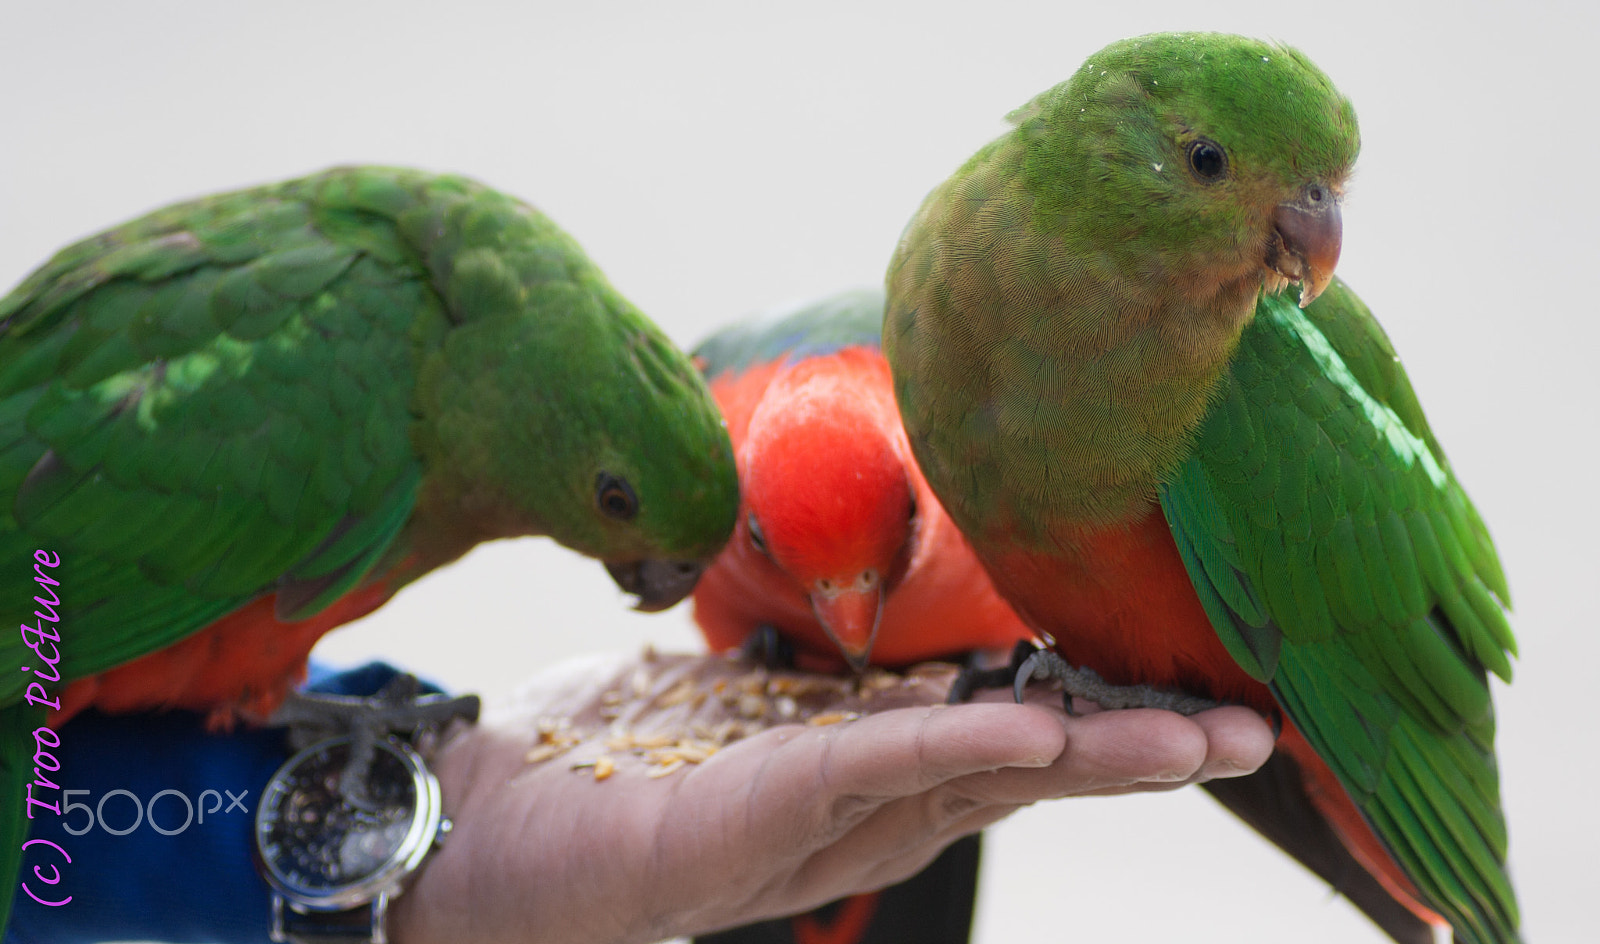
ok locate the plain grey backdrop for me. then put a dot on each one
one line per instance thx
(719, 159)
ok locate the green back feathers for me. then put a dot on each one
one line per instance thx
(195, 408)
(279, 389)
(847, 319)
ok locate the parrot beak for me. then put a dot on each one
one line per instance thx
(657, 583)
(850, 616)
(1304, 245)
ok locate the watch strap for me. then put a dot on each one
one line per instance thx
(363, 924)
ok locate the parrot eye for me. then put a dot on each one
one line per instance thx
(757, 539)
(614, 497)
(1208, 160)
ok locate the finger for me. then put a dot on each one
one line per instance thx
(1238, 741)
(1140, 787)
(909, 751)
(895, 871)
(1108, 753)
(1105, 750)
(891, 759)
(894, 842)
(976, 821)
(876, 863)
(922, 824)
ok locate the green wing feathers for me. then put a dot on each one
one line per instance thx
(201, 403)
(292, 389)
(1341, 563)
(272, 391)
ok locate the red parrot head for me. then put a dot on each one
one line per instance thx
(828, 494)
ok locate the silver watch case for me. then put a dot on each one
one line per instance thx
(372, 851)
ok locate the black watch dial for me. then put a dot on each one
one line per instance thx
(313, 840)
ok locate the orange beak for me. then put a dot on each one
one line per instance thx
(850, 614)
(1306, 237)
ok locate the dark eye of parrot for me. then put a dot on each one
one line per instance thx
(757, 539)
(1208, 160)
(614, 497)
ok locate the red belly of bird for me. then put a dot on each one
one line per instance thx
(245, 662)
(1119, 601)
(1123, 605)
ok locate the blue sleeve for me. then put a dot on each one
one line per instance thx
(163, 813)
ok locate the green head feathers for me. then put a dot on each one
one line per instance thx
(616, 451)
(552, 405)
(1110, 249)
(1183, 144)
(1265, 100)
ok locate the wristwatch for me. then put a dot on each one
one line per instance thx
(334, 855)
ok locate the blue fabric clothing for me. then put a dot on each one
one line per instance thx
(198, 884)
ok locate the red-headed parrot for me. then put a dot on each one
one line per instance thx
(240, 421)
(1192, 482)
(843, 553)
(840, 547)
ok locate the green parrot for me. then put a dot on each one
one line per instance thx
(237, 422)
(1190, 482)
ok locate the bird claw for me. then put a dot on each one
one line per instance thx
(974, 677)
(1087, 684)
(397, 708)
(1035, 667)
(768, 648)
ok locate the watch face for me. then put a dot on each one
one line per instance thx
(319, 848)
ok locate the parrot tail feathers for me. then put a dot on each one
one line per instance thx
(1274, 802)
(932, 907)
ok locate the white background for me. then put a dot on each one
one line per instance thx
(718, 160)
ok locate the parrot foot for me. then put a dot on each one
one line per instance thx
(975, 676)
(766, 647)
(1087, 684)
(397, 708)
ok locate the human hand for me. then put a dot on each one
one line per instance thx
(778, 821)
